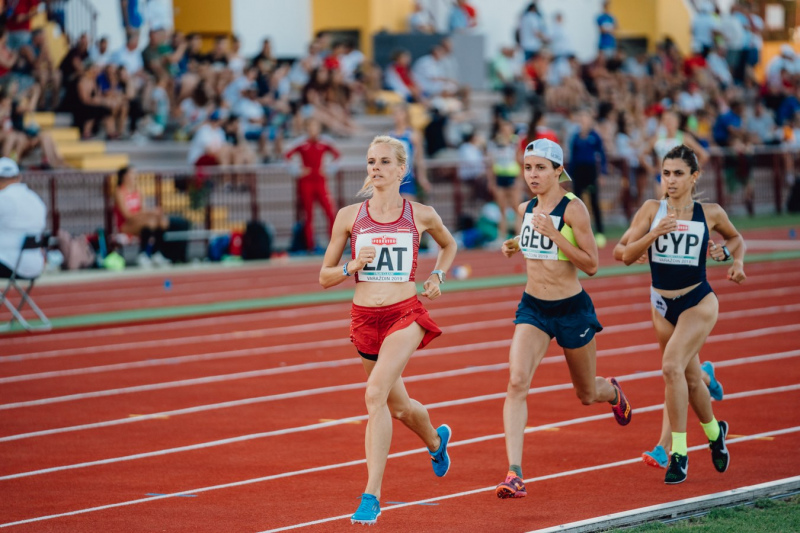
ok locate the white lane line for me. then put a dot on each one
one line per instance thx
(539, 479)
(453, 306)
(351, 361)
(310, 427)
(485, 324)
(757, 436)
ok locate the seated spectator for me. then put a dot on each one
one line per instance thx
(761, 125)
(505, 70)
(208, 146)
(719, 67)
(316, 103)
(22, 213)
(429, 73)
(421, 20)
(132, 218)
(92, 108)
(8, 58)
(99, 53)
(398, 78)
(240, 151)
(194, 110)
(462, 17)
(236, 62)
(350, 62)
(117, 94)
(790, 105)
(71, 68)
(128, 56)
(253, 118)
(265, 60)
(22, 138)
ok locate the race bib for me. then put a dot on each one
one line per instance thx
(533, 244)
(394, 255)
(680, 247)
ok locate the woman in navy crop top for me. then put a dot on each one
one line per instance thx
(675, 234)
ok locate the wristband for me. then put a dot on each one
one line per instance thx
(727, 253)
(344, 270)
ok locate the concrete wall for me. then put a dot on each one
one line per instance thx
(286, 22)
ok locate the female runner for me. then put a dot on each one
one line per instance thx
(556, 240)
(388, 321)
(675, 233)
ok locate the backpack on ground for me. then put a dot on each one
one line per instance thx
(257, 241)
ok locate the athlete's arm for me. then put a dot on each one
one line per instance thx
(584, 255)
(432, 223)
(733, 240)
(619, 249)
(641, 236)
(331, 273)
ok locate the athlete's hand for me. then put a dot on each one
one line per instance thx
(642, 259)
(736, 273)
(543, 224)
(510, 247)
(668, 224)
(716, 252)
(432, 289)
(365, 256)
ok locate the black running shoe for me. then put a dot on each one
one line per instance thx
(719, 452)
(677, 469)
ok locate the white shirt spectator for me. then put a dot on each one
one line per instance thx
(429, 74)
(249, 109)
(350, 63)
(531, 27)
(734, 32)
(719, 68)
(97, 58)
(787, 61)
(690, 102)
(560, 44)
(159, 14)
(233, 92)
(704, 25)
(22, 213)
(193, 114)
(130, 59)
(207, 139)
(471, 163)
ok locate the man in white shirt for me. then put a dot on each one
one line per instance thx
(129, 55)
(22, 213)
(430, 75)
(532, 32)
(99, 54)
(704, 26)
(210, 141)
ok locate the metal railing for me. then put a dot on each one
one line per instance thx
(225, 199)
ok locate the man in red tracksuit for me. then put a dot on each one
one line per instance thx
(312, 184)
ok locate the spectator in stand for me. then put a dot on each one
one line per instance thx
(265, 59)
(532, 32)
(719, 67)
(398, 78)
(505, 70)
(732, 28)
(705, 28)
(503, 181)
(22, 138)
(129, 56)
(691, 99)
(729, 132)
(253, 118)
(194, 110)
(22, 213)
(316, 104)
(132, 218)
(312, 185)
(236, 62)
(416, 170)
(462, 17)
(420, 20)
(116, 92)
(430, 74)
(92, 108)
(790, 105)
(8, 58)
(240, 151)
(132, 14)
(607, 25)
(208, 146)
(99, 54)
(351, 62)
(218, 57)
(761, 126)
(754, 26)
(628, 148)
(586, 154)
(18, 24)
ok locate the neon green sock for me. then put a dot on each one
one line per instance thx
(679, 443)
(711, 429)
(517, 469)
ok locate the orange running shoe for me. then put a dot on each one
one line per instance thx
(512, 487)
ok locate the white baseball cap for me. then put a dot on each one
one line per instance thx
(8, 168)
(550, 151)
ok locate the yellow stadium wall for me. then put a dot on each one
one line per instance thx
(654, 20)
(366, 16)
(210, 18)
(771, 49)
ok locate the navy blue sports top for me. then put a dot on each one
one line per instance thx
(678, 259)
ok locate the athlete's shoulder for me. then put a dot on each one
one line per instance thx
(350, 210)
(423, 212)
(713, 211)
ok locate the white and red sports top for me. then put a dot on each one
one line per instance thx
(396, 245)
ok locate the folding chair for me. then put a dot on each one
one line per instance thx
(31, 242)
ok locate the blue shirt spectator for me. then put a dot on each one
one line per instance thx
(722, 127)
(587, 151)
(607, 24)
(789, 107)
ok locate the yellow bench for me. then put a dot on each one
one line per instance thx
(98, 161)
(68, 149)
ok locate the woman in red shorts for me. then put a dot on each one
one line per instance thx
(388, 321)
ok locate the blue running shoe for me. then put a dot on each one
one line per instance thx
(368, 511)
(440, 458)
(714, 386)
(657, 458)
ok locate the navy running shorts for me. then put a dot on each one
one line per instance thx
(671, 308)
(572, 321)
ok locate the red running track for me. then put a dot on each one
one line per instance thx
(73, 439)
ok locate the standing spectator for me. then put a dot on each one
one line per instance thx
(560, 43)
(732, 28)
(502, 151)
(22, 213)
(420, 20)
(754, 27)
(416, 171)
(312, 186)
(607, 25)
(705, 27)
(586, 153)
(132, 14)
(729, 132)
(18, 24)
(532, 33)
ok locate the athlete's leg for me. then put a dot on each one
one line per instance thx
(392, 359)
(409, 411)
(528, 347)
(688, 337)
(582, 364)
